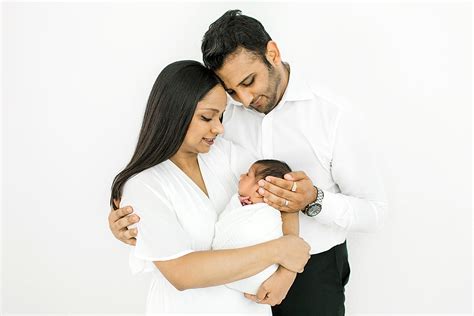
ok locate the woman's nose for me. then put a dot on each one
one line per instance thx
(218, 128)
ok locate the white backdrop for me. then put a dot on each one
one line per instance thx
(76, 78)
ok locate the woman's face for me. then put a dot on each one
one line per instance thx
(206, 124)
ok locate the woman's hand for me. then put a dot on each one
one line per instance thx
(291, 194)
(292, 253)
(274, 290)
(119, 219)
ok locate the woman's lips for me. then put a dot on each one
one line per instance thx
(209, 141)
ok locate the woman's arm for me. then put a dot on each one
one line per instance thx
(216, 267)
(291, 223)
(161, 235)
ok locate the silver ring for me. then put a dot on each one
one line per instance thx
(293, 188)
(286, 203)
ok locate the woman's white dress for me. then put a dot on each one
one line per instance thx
(177, 218)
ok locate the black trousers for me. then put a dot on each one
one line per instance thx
(319, 290)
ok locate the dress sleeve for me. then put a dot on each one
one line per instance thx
(160, 235)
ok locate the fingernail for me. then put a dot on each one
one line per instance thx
(261, 183)
(129, 209)
(268, 179)
(265, 200)
(261, 191)
(288, 177)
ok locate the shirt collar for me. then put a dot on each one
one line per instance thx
(297, 88)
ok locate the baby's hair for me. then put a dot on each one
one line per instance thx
(270, 167)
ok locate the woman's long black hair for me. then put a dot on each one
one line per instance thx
(169, 111)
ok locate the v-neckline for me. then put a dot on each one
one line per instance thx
(207, 196)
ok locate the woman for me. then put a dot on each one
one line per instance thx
(179, 179)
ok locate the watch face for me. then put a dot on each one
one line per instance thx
(314, 210)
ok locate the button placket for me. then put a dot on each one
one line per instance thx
(267, 137)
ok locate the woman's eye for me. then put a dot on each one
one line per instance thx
(205, 118)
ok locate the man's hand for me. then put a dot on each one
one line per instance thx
(119, 219)
(277, 191)
(273, 291)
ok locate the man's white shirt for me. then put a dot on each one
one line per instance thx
(326, 141)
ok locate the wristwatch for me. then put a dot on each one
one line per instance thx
(314, 208)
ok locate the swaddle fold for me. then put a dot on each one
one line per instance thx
(242, 226)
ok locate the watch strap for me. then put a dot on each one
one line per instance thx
(318, 201)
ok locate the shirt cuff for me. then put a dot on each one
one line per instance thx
(335, 210)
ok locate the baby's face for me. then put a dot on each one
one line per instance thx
(248, 185)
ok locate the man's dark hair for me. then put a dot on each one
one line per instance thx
(230, 32)
(270, 167)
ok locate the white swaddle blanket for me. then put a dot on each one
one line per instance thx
(241, 226)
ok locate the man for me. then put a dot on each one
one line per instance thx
(277, 116)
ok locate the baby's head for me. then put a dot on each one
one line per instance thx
(248, 184)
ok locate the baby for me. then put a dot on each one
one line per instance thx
(248, 184)
(247, 220)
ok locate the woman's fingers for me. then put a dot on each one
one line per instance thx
(262, 293)
(250, 297)
(261, 297)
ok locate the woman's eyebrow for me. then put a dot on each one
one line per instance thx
(210, 109)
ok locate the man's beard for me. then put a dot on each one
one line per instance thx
(274, 80)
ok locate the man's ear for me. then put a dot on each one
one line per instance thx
(273, 53)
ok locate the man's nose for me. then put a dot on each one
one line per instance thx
(245, 97)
